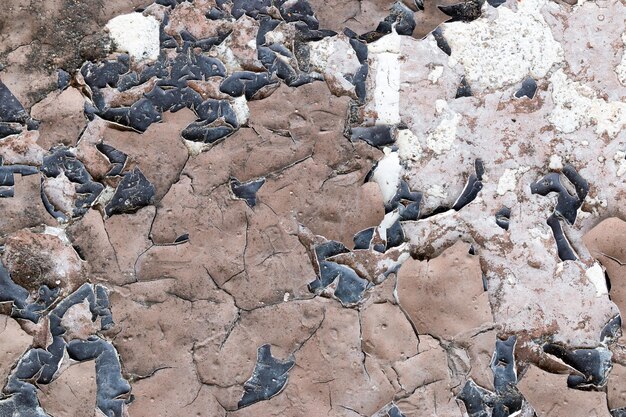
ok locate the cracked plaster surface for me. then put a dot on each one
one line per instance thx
(361, 208)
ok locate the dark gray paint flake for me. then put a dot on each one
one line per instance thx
(132, 193)
(464, 89)
(378, 136)
(528, 89)
(246, 190)
(593, 365)
(463, 11)
(268, 378)
(503, 217)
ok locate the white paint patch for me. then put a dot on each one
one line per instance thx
(274, 36)
(226, 55)
(320, 52)
(58, 232)
(388, 263)
(387, 174)
(408, 144)
(576, 105)
(595, 275)
(196, 148)
(502, 51)
(136, 34)
(442, 137)
(334, 54)
(559, 268)
(508, 180)
(105, 196)
(620, 162)
(384, 60)
(556, 163)
(388, 221)
(241, 109)
(620, 70)
(335, 58)
(595, 203)
(435, 74)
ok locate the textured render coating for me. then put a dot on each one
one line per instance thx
(305, 208)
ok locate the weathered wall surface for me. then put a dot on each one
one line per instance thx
(309, 208)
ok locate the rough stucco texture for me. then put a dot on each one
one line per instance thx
(312, 208)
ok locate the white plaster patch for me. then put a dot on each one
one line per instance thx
(389, 263)
(241, 109)
(274, 36)
(620, 70)
(105, 196)
(320, 52)
(333, 53)
(442, 137)
(620, 162)
(435, 74)
(594, 203)
(408, 144)
(508, 180)
(196, 148)
(387, 174)
(576, 105)
(595, 275)
(58, 232)
(226, 55)
(556, 163)
(384, 61)
(388, 221)
(136, 34)
(502, 51)
(60, 192)
(334, 57)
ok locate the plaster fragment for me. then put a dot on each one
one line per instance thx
(576, 105)
(408, 144)
(435, 74)
(523, 37)
(136, 34)
(241, 109)
(437, 191)
(442, 137)
(595, 275)
(556, 163)
(387, 174)
(508, 180)
(384, 58)
(620, 162)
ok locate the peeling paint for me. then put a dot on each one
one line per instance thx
(136, 34)
(523, 37)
